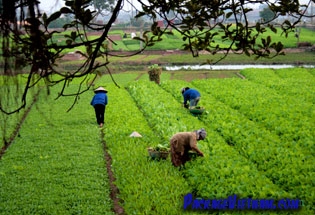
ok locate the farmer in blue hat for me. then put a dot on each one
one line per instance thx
(190, 95)
(99, 103)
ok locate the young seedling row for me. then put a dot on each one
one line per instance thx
(259, 145)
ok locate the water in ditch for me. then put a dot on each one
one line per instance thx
(232, 67)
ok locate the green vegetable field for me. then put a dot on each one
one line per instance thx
(259, 145)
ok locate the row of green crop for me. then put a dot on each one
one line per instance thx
(11, 90)
(290, 118)
(145, 186)
(286, 81)
(56, 165)
(283, 162)
(222, 172)
(290, 160)
(288, 163)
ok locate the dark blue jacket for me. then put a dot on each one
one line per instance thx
(190, 94)
(99, 98)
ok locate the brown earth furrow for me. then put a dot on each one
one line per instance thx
(8, 142)
(113, 188)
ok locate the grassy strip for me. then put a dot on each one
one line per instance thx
(202, 74)
(57, 164)
(289, 58)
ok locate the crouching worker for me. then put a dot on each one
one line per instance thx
(190, 95)
(182, 142)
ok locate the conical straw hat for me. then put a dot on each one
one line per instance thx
(135, 134)
(100, 89)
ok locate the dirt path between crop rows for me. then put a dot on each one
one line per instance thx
(113, 189)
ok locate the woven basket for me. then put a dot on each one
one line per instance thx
(157, 154)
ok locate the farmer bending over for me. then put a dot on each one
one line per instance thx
(191, 95)
(182, 142)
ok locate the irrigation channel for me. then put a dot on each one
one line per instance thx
(233, 67)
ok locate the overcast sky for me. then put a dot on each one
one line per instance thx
(50, 6)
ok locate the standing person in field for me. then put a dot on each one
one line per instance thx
(99, 102)
(190, 95)
(183, 142)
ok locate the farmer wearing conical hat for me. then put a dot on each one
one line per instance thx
(190, 95)
(182, 143)
(99, 103)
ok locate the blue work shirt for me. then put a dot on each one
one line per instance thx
(190, 94)
(99, 98)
